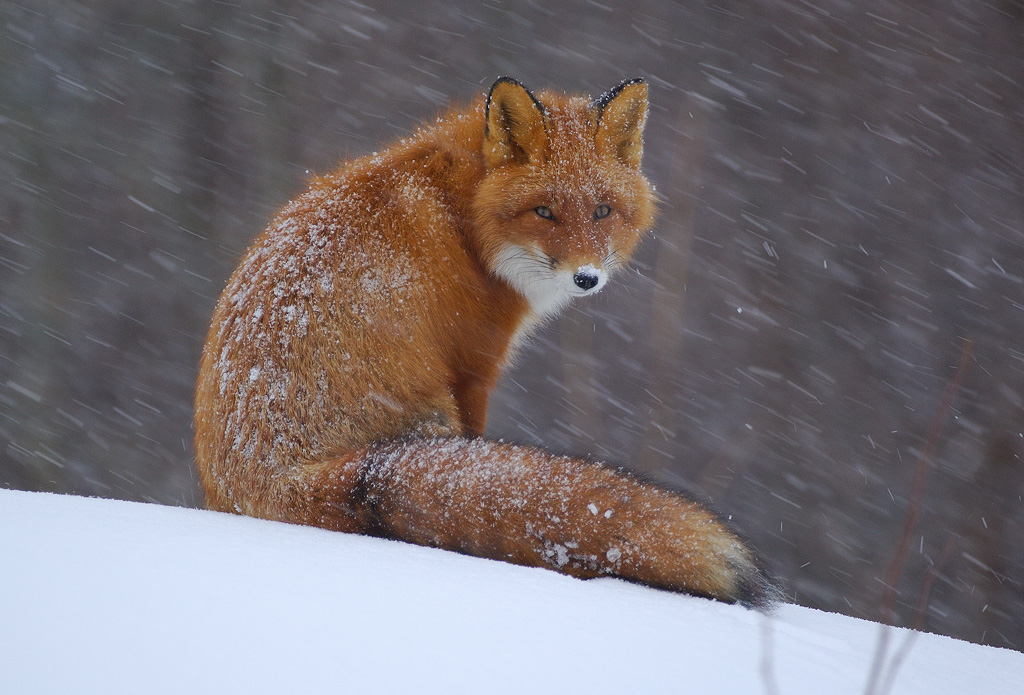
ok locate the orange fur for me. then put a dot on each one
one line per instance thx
(346, 373)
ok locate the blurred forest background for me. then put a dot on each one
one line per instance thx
(842, 224)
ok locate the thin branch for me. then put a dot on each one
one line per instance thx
(922, 605)
(929, 579)
(771, 686)
(924, 463)
(916, 502)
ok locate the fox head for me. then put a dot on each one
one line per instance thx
(563, 201)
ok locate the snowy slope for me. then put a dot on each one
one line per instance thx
(101, 596)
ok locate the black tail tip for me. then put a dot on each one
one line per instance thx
(759, 590)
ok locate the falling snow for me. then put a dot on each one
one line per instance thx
(840, 217)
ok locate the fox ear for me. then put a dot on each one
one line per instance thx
(621, 113)
(514, 130)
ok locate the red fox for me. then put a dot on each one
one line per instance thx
(345, 377)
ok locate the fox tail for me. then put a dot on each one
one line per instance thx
(530, 507)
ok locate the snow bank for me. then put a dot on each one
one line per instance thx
(116, 597)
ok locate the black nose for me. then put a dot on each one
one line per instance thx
(585, 281)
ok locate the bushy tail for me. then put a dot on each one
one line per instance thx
(530, 507)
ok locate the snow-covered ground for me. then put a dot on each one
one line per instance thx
(102, 596)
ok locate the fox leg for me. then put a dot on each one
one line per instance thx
(471, 393)
(530, 507)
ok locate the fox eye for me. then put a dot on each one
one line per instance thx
(602, 211)
(544, 212)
